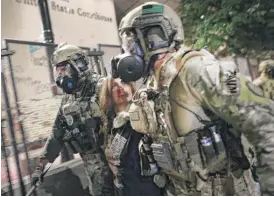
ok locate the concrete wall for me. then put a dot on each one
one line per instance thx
(32, 81)
(79, 22)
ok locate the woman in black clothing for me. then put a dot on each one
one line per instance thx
(121, 141)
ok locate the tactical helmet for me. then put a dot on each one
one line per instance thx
(71, 54)
(70, 67)
(157, 26)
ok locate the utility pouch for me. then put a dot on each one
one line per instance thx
(162, 155)
(160, 180)
(193, 148)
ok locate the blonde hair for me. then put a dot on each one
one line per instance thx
(106, 103)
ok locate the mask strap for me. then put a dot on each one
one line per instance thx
(74, 65)
(134, 95)
(141, 40)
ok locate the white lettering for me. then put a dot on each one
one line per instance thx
(64, 9)
(60, 8)
(53, 6)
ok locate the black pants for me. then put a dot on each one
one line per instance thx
(143, 187)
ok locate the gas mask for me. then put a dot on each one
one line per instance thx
(68, 74)
(137, 58)
(130, 64)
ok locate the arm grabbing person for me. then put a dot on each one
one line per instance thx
(237, 101)
(195, 90)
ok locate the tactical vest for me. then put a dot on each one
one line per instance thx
(81, 118)
(208, 150)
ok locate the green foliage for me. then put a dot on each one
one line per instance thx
(242, 27)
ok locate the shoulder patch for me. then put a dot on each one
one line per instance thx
(254, 89)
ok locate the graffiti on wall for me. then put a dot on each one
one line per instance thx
(40, 61)
(39, 86)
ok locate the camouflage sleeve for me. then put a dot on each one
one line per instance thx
(94, 100)
(98, 87)
(221, 89)
(258, 82)
(54, 142)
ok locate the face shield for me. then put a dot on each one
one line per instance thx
(66, 76)
(61, 70)
(67, 73)
(131, 44)
(80, 61)
(155, 38)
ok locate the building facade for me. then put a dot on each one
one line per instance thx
(85, 23)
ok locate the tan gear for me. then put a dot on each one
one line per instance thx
(142, 114)
(200, 70)
(265, 81)
(197, 90)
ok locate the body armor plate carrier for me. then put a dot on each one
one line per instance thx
(81, 133)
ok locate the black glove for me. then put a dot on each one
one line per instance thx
(37, 176)
(152, 94)
(114, 70)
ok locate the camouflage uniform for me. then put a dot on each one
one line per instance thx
(266, 79)
(96, 167)
(194, 108)
(203, 83)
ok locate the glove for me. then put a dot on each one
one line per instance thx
(152, 94)
(37, 176)
(114, 71)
